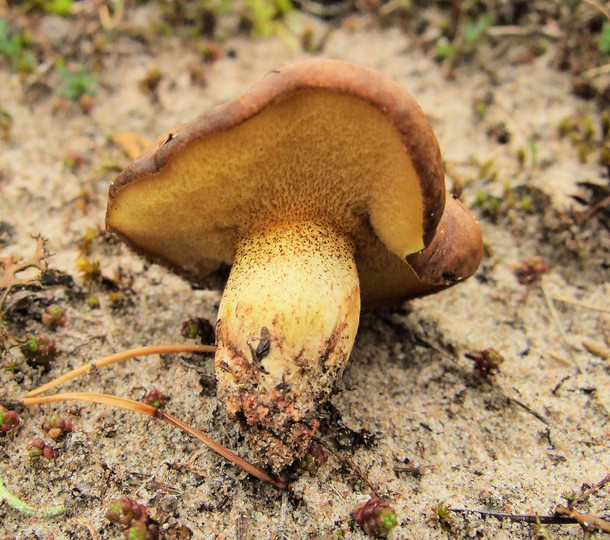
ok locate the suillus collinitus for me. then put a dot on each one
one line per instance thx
(323, 187)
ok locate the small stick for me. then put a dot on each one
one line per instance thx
(578, 303)
(120, 357)
(519, 31)
(588, 522)
(595, 208)
(560, 383)
(594, 488)
(417, 471)
(525, 518)
(149, 410)
(533, 413)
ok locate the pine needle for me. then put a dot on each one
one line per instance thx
(578, 303)
(149, 410)
(120, 357)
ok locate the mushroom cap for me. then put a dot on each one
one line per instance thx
(318, 139)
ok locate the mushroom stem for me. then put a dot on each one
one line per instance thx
(286, 325)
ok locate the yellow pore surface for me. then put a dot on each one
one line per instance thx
(315, 155)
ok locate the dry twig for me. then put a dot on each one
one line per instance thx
(588, 522)
(594, 489)
(522, 518)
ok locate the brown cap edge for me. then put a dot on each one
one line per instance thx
(455, 251)
(368, 84)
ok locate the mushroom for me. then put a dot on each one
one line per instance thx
(322, 186)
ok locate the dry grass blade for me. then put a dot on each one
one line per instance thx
(596, 349)
(149, 410)
(580, 304)
(575, 361)
(597, 71)
(119, 357)
(555, 317)
(599, 6)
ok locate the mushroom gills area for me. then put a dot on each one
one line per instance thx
(320, 153)
(286, 326)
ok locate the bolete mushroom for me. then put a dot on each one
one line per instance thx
(322, 186)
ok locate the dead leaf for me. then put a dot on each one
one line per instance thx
(131, 144)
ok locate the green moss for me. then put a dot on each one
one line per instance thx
(480, 109)
(77, 84)
(444, 50)
(14, 49)
(93, 302)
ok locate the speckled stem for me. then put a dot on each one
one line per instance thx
(286, 326)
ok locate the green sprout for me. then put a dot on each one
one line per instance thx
(315, 458)
(62, 8)
(8, 420)
(39, 349)
(93, 302)
(90, 270)
(444, 50)
(13, 48)
(604, 39)
(474, 30)
(264, 15)
(442, 513)
(155, 398)
(77, 84)
(376, 517)
(57, 7)
(486, 362)
(11, 366)
(38, 448)
(132, 519)
(115, 298)
(56, 427)
(54, 316)
(198, 328)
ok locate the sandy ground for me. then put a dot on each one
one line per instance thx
(409, 384)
